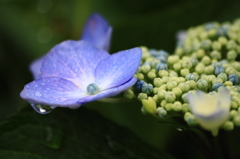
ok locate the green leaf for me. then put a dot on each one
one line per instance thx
(66, 133)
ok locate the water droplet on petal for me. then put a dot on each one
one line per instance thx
(38, 94)
(42, 109)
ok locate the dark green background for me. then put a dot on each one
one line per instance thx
(152, 23)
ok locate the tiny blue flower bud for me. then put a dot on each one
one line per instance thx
(147, 88)
(161, 66)
(139, 85)
(216, 85)
(191, 76)
(161, 112)
(233, 78)
(218, 70)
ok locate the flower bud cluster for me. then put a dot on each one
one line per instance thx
(206, 59)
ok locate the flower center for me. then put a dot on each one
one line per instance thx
(92, 89)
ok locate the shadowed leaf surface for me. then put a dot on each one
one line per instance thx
(66, 133)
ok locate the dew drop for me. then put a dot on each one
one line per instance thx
(42, 109)
(38, 94)
(179, 129)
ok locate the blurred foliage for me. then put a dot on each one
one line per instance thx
(28, 29)
(70, 134)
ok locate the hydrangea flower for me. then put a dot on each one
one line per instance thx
(211, 111)
(76, 72)
(96, 31)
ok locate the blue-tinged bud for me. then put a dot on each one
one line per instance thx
(206, 44)
(233, 78)
(215, 86)
(161, 112)
(221, 32)
(154, 62)
(191, 76)
(92, 89)
(218, 70)
(147, 88)
(162, 58)
(161, 66)
(139, 85)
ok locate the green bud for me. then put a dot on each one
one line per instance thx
(199, 68)
(177, 106)
(149, 105)
(184, 98)
(216, 55)
(210, 78)
(222, 40)
(172, 59)
(206, 44)
(161, 112)
(184, 72)
(155, 90)
(190, 119)
(216, 45)
(206, 60)
(169, 106)
(228, 125)
(173, 74)
(236, 65)
(163, 103)
(142, 96)
(154, 62)
(179, 51)
(180, 80)
(234, 105)
(200, 53)
(158, 82)
(208, 70)
(140, 76)
(171, 85)
(228, 83)
(163, 73)
(187, 64)
(177, 91)
(163, 87)
(230, 70)
(155, 98)
(177, 67)
(161, 94)
(192, 84)
(223, 76)
(170, 97)
(219, 80)
(231, 55)
(185, 107)
(231, 45)
(233, 114)
(129, 94)
(145, 68)
(236, 120)
(151, 75)
(184, 86)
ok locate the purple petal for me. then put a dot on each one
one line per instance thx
(35, 67)
(97, 32)
(53, 92)
(117, 68)
(74, 61)
(109, 92)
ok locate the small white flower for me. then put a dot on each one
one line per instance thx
(211, 111)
